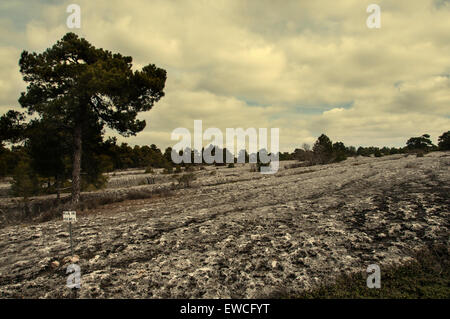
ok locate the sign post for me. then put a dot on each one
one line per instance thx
(70, 216)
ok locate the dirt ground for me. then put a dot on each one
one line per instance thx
(239, 234)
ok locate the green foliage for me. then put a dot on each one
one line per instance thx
(419, 143)
(185, 180)
(49, 148)
(377, 152)
(323, 150)
(8, 161)
(89, 183)
(303, 155)
(168, 170)
(351, 151)
(124, 156)
(285, 156)
(149, 170)
(83, 88)
(339, 152)
(25, 181)
(12, 129)
(106, 163)
(444, 141)
(84, 81)
(323, 144)
(12, 126)
(168, 155)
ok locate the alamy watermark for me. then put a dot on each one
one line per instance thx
(258, 146)
(74, 19)
(374, 20)
(74, 278)
(374, 278)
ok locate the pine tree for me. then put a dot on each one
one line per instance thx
(80, 86)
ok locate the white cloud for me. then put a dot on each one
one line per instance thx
(256, 63)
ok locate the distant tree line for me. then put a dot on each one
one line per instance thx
(325, 151)
(40, 158)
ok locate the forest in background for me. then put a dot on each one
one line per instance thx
(40, 162)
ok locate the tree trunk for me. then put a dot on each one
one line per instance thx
(76, 166)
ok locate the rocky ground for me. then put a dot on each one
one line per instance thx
(239, 234)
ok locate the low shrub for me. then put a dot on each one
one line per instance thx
(168, 170)
(295, 165)
(256, 167)
(185, 180)
(25, 182)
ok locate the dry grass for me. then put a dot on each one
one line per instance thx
(41, 210)
(426, 276)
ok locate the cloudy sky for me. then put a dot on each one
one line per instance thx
(306, 67)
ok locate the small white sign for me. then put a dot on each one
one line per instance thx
(70, 216)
